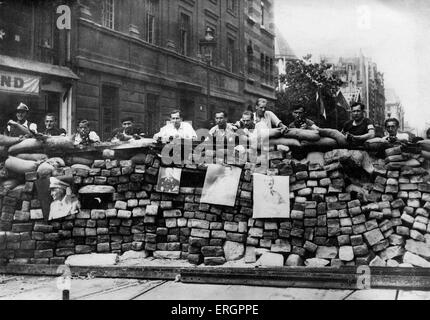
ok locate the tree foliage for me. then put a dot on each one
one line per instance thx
(302, 81)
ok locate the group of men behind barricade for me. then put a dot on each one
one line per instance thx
(251, 125)
(357, 130)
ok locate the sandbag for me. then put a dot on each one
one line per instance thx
(9, 184)
(413, 163)
(302, 134)
(322, 142)
(81, 166)
(27, 146)
(32, 156)
(7, 141)
(56, 162)
(140, 143)
(45, 170)
(79, 160)
(377, 144)
(139, 158)
(19, 128)
(334, 134)
(20, 166)
(59, 143)
(285, 142)
(425, 154)
(425, 145)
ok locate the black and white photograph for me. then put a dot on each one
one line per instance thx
(200, 150)
(271, 196)
(221, 183)
(169, 180)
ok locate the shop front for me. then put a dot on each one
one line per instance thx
(43, 87)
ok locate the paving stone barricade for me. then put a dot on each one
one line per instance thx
(380, 218)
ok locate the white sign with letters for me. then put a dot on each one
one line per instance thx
(19, 83)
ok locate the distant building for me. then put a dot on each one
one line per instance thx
(362, 83)
(283, 53)
(394, 107)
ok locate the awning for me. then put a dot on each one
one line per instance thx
(36, 67)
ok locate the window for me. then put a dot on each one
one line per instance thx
(152, 119)
(262, 63)
(250, 53)
(232, 6)
(184, 34)
(151, 20)
(109, 107)
(267, 70)
(249, 6)
(108, 13)
(271, 74)
(230, 55)
(263, 13)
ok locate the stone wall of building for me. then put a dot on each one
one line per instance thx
(340, 214)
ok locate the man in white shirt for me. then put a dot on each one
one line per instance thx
(392, 127)
(176, 129)
(222, 127)
(21, 116)
(267, 120)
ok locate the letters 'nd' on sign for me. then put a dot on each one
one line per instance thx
(19, 83)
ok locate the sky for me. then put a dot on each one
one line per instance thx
(393, 33)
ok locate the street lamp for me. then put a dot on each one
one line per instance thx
(207, 46)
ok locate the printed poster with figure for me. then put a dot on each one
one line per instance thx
(271, 196)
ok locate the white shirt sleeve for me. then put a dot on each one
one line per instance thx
(33, 127)
(189, 132)
(94, 137)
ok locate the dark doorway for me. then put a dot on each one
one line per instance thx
(187, 108)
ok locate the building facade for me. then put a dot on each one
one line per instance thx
(394, 107)
(142, 58)
(35, 62)
(139, 58)
(283, 54)
(363, 83)
(259, 47)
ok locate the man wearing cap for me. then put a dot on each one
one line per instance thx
(64, 203)
(21, 116)
(127, 132)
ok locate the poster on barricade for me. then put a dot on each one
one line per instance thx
(221, 183)
(271, 196)
(169, 180)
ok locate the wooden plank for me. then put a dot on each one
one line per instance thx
(162, 273)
